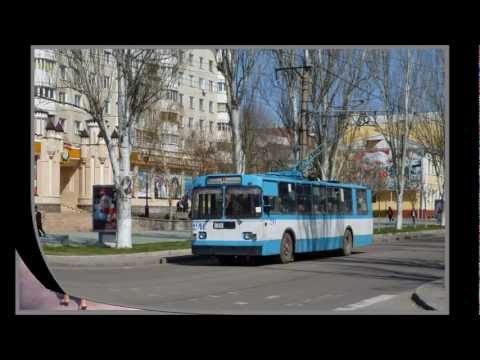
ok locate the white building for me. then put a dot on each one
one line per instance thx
(69, 155)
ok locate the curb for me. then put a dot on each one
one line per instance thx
(381, 238)
(419, 302)
(424, 297)
(153, 258)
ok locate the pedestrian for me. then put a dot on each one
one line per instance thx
(38, 217)
(185, 203)
(66, 301)
(390, 214)
(414, 215)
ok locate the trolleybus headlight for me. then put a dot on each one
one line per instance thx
(202, 235)
(194, 236)
(249, 236)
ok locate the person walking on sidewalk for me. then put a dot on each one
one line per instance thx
(390, 214)
(38, 217)
(414, 215)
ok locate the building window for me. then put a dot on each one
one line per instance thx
(180, 78)
(210, 106)
(180, 120)
(201, 104)
(172, 95)
(201, 124)
(180, 99)
(62, 72)
(191, 102)
(210, 86)
(78, 127)
(107, 107)
(210, 65)
(192, 81)
(221, 86)
(106, 82)
(201, 62)
(107, 57)
(201, 83)
(190, 59)
(190, 122)
(181, 57)
(62, 123)
(61, 97)
(77, 100)
(211, 126)
(221, 107)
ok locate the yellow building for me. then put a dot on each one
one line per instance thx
(421, 194)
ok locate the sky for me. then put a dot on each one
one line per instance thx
(270, 94)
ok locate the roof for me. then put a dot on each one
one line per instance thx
(287, 176)
(59, 127)
(114, 134)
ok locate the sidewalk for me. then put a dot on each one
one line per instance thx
(432, 296)
(34, 298)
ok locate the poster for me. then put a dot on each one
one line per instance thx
(104, 210)
(142, 178)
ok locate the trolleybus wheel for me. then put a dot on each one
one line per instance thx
(347, 243)
(286, 249)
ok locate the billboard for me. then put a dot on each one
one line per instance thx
(104, 210)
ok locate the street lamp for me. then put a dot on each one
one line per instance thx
(145, 157)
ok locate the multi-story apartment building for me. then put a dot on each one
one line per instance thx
(70, 156)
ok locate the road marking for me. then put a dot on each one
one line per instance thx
(240, 303)
(272, 297)
(213, 296)
(232, 293)
(366, 302)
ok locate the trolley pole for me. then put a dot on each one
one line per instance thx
(303, 138)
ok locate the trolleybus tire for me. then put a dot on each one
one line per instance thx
(286, 249)
(347, 243)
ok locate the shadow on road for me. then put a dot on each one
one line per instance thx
(254, 261)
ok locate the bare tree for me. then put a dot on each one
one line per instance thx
(142, 78)
(236, 65)
(429, 131)
(339, 83)
(288, 106)
(399, 78)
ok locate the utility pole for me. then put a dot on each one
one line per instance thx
(306, 90)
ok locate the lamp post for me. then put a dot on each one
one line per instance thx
(145, 157)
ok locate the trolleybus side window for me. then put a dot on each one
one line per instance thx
(287, 198)
(332, 200)
(345, 201)
(304, 198)
(362, 208)
(319, 199)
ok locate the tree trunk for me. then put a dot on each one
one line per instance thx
(238, 155)
(124, 206)
(124, 219)
(399, 210)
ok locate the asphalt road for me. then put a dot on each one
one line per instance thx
(376, 279)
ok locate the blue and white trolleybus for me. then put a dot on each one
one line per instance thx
(279, 214)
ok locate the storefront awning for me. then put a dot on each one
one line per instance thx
(38, 147)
